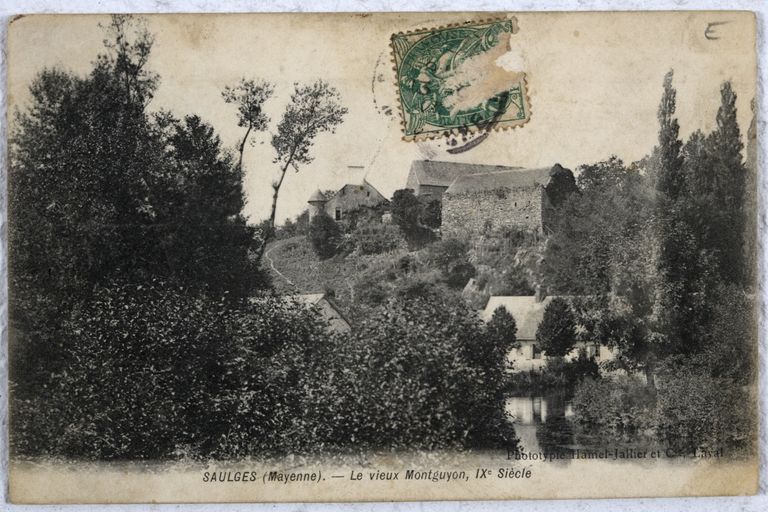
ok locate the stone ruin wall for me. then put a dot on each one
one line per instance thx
(477, 212)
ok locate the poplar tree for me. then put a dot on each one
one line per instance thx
(730, 175)
(670, 178)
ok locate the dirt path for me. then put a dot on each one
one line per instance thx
(272, 263)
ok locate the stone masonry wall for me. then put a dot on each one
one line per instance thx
(433, 191)
(479, 211)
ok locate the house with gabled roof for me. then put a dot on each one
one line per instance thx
(432, 177)
(528, 312)
(349, 198)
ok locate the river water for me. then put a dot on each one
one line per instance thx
(542, 423)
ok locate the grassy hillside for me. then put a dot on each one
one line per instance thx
(297, 262)
(504, 263)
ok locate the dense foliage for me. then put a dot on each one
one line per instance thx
(101, 190)
(142, 326)
(417, 217)
(155, 371)
(556, 333)
(422, 372)
(659, 251)
(324, 235)
(690, 411)
(376, 238)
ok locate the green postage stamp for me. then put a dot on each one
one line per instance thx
(451, 78)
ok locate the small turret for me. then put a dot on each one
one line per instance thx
(316, 203)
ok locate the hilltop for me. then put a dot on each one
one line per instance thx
(503, 262)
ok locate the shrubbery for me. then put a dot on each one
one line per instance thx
(516, 282)
(155, 370)
(417, 217)
(158, 372)
(325, 236)
(557, 374)
(376, 238)
(620, 405)
(694, 410)
(451, 257)
(420, 373)
(689, 410)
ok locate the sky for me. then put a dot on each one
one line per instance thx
(594, 81)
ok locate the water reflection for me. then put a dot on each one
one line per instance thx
(542, 423)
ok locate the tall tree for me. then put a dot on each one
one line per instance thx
(556, 333)
(313, 109)
(684, 264)
(416, 218)
(206, 241)
(730, 175)
(596, 229)
(100, 190)
(501, 331)
(82, 157)
(249, 96)
(750, 203)
(670, 179)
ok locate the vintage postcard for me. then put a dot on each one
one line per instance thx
(366, 257)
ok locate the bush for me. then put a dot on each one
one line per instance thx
(369, 291)
(410, 377)
(623, 404)
(325, 236)
(689, 411)
(458, 275)
(376, 238)
(451, 257)
(558, 374)
(446, 253)
(154, 370)
(516, 282)
(416, 218)
(157, 372)
(696, 411)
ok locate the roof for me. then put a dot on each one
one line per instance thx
(311, 299)
(308, 298)
(501, 179)
(316, 196)
(526, 310)
(442, 174)
(363, 183)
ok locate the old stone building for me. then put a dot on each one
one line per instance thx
(432, 178)
(348, 198)
(516, 198)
